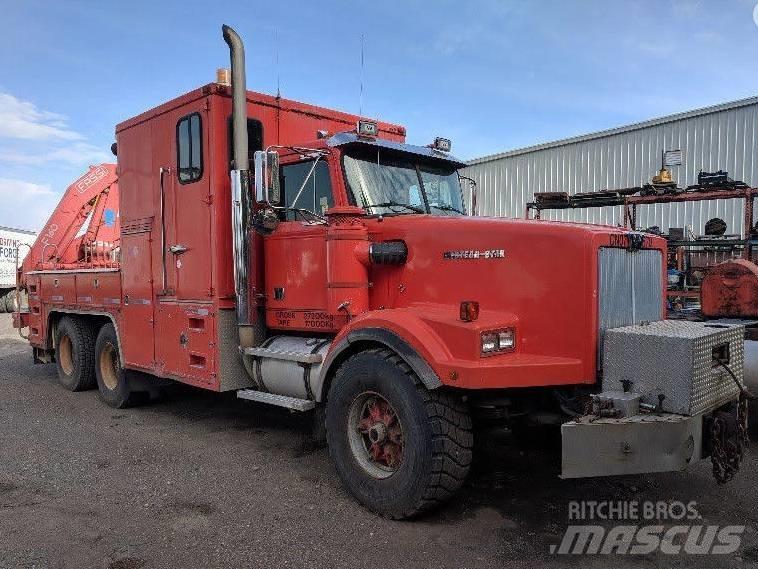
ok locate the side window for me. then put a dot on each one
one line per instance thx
(254, 138)
(317, 193)
(189, 148)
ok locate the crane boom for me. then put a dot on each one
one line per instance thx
(65, 241)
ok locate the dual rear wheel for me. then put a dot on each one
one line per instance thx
(87, 356)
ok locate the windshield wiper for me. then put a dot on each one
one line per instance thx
(447, 208)
(412, 208)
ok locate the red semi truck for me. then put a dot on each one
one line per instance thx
(278, 250)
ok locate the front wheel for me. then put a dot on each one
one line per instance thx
(399, 448)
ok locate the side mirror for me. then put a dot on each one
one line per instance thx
(472, 194)
(267, 188)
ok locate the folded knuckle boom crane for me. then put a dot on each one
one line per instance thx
(254, 244)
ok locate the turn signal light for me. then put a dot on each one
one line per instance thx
(469, 310)
(498, 341)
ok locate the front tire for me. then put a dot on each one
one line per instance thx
(75, 354)
(113, 385)
(399, 448)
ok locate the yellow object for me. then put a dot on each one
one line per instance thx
(663, 177)
(223, 76)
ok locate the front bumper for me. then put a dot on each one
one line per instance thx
(632, 445)
(675, 376)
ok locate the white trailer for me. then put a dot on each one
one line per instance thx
(12, 242)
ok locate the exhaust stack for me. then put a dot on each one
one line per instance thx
(240, 179)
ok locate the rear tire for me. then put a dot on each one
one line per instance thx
(113, 385)
(399, 448)
(10, 302)
(75, 354)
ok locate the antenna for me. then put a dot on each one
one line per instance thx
(360, 96)
(276, 57)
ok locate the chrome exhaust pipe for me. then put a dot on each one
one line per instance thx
(240, 182)
(239, 98)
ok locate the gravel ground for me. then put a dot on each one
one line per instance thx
(206, 480)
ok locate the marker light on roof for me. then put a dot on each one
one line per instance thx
(367, 128)
(442, 144)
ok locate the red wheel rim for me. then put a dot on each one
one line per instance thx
(376, 435)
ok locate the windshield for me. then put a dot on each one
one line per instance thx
(388, 182)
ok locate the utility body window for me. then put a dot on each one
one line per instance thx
(189, 148)
(316, 195)
(254, 139)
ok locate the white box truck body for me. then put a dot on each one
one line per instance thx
(11, 241)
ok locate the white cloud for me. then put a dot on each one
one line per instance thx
(23, 120)
(37, 145)
(76, 154)
(25, 205)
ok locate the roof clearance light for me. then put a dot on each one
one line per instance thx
(442, 144)
(368, 128)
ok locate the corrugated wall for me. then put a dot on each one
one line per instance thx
(722, 137)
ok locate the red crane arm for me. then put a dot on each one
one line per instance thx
(89, 193)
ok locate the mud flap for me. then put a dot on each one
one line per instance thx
(633, 445)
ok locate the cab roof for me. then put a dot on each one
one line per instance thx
(353, 139)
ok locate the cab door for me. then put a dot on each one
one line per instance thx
(295, 252)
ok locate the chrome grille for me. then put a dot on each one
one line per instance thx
(630, 289)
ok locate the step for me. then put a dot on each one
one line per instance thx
(288, 356)
(279, 400)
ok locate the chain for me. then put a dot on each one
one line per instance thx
(729, 439)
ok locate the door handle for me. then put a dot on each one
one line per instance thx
(178, 249)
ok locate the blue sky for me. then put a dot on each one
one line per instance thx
(491, 75)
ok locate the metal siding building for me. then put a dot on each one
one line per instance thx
(719, 137)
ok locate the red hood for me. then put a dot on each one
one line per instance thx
(542, 273)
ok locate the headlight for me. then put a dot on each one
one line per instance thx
(497, 341)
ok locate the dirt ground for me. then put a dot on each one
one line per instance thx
(206, 480)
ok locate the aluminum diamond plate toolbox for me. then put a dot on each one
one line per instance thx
(675, 359)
